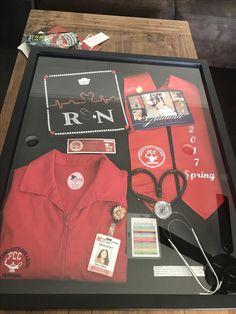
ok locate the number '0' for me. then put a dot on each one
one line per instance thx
(193, 139)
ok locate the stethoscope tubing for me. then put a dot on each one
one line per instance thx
(157, 184)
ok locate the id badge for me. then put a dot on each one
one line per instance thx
(104, 255)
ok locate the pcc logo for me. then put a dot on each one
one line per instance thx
(13, 260)
(151, 156)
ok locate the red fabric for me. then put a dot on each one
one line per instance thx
(183, 150)
(139, 139)
(201, 162)
(142, 183)
(54, 227)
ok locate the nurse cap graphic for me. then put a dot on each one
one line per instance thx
(14, 259)
(151, 156)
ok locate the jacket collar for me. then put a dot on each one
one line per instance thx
(109, 184)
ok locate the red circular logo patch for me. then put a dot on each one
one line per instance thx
(14, 260)
(76, 146)
(151, 156)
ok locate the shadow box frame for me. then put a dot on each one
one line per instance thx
(11, 295)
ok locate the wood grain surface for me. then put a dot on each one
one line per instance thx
(128, 35)
(125, 312)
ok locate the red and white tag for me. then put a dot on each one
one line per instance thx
(91, 145)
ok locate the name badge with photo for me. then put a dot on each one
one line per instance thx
(104, 255)
(157, 109)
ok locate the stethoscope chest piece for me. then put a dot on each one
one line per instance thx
(162, 209)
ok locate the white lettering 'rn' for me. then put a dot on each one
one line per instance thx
(71, 118)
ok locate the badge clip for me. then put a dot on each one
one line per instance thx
(118, 213)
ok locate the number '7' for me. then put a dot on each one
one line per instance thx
(196, 161)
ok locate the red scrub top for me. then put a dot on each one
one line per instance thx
(56, 206)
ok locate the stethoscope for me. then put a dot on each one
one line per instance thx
(163, 210)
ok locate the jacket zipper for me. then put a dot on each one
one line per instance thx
(65, 243)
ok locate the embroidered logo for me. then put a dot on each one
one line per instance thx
(151, 156)
(75, 180)
(14, 259)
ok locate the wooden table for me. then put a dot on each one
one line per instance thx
(128, 35)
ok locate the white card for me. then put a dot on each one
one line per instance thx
(178, 271)
(104, 255)
(96, 39)
(25, 48)
(145, 242)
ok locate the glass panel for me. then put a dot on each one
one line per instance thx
(91, 131)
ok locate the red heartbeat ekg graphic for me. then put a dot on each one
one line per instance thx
(84, 98)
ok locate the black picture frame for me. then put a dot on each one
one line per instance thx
(23, 294)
